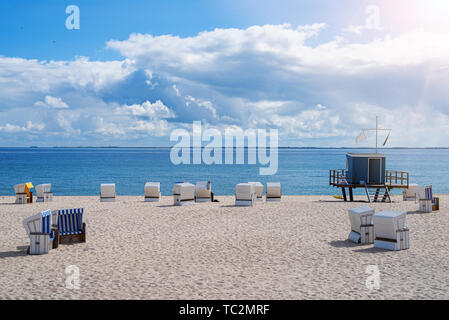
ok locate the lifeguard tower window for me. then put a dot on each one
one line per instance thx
(375, 173)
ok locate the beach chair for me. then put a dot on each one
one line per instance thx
(43, 193)
(107, 192)
(23, 192)
(428, 202)
(183, 194)
(258, 189)
(245, 195)
(203, 191)
(152, 191)
(411, 193)
(390, 232)
(362, 228)
(273, 192)
(71, 228)
(42, 234)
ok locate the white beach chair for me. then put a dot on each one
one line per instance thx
(245, 194)
(107, 192)
(183, 194)
(39, 229)
(23, 193)
(258, 189)
(411, 193)
(273, 192)
(43, 193)
(362, 228)
(427, 202)
(152, 191)
(203, 191)
(390, 232)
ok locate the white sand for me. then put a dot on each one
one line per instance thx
(295, 249)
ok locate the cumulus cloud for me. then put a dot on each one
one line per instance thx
(52, 102)
(147, 109)
(30, 127)
(269, 76)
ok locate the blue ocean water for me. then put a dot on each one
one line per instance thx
(80, 171)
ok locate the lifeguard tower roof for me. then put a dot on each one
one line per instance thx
(364, 155)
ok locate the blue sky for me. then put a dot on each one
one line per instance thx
(318, 71)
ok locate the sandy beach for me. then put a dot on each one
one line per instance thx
(294, 249)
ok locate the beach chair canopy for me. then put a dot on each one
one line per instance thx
(39, 223)
(203, 185)
(152, 189)
(107, 190)
(273, 189)
(386, 223)
(42, 188)
(70, 221)
(23, 187)
(183, 187)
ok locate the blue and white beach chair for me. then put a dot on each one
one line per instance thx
(41, 232)
(71, 227)
(429, 196)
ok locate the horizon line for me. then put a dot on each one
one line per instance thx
(202, 147)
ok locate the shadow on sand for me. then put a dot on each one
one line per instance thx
(13, 254)
(343, 244)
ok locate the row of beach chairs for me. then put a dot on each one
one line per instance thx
(48, 229)
(25, 195)
(423, 195)
(246, 194)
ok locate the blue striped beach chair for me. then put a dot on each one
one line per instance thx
(429, 196)
(71, 227)
(41, 232)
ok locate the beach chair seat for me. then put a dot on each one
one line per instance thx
(107, 192)
(203, 191)
(71, 228)
(362, 228)
(258, 189)
(245, 194)
(43, 193)
(152, 191)
(273, 192)
(42, 234)
(23, 192)
(183, 194)
(390, 232)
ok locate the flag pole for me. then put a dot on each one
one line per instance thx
(377, 129)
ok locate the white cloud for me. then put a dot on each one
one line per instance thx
(155, 110)
(52, 102)
(262, 76)
(30, 127)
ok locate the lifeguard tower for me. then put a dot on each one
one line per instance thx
(368, 171)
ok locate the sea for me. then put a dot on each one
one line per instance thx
(301, 171)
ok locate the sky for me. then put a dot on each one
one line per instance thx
(133, 72)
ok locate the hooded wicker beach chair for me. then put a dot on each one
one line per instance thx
(203, 191)
(152, 191)
(43, 193)
(41, 232)
(107, 192)
(273, 192)
(23, 193)
(71, 227)
(183, 194)
(245, 194)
